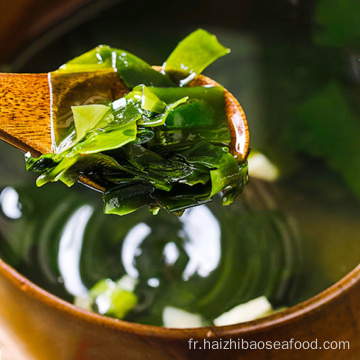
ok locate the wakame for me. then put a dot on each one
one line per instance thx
(160, 143)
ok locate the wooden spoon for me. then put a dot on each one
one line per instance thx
(26, 101)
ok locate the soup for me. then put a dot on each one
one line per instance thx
(287, 238)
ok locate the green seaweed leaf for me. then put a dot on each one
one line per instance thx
(160, 145)
(192, 55)
(131, 69)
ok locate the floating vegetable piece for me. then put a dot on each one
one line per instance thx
(178, 318)
(111, 299)
(251, 310)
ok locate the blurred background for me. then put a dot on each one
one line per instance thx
(294, 67)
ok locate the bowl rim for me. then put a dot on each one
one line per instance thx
(300, 310)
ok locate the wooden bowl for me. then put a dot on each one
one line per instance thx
(38, 325)
(45, 327)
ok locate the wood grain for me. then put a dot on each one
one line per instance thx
(47, 327)
(25, 112)
(25, 103)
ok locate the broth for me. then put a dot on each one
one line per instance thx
(207, 261)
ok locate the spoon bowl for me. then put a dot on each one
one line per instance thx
(27, 102)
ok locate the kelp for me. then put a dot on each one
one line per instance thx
(131, 69)
(160, 145)
(193, 55)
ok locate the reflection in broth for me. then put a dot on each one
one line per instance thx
(207, 261)
(199, 233)
(70, 247)
(131, 247)
(203, 245)
(9, 202)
